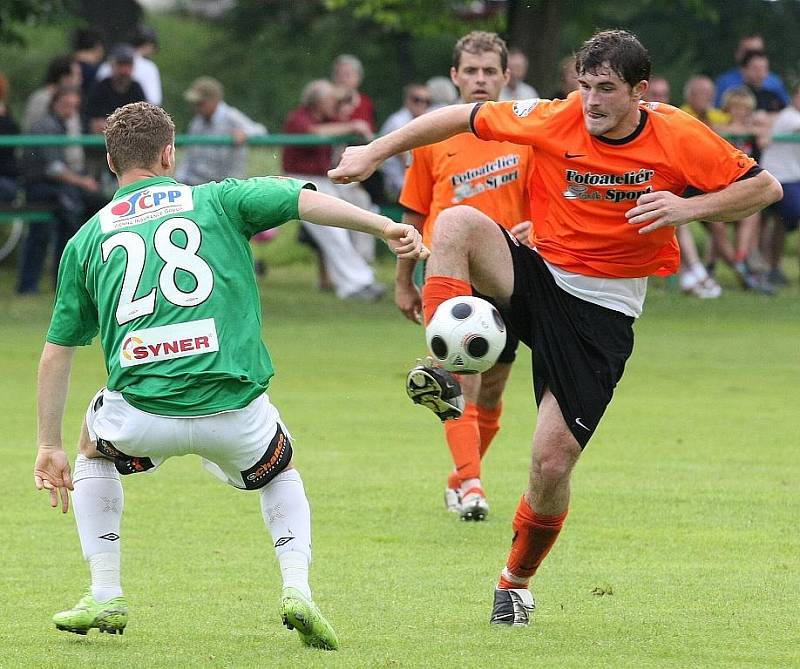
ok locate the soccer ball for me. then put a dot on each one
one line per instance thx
(466, 335)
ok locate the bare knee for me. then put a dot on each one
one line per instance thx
(554, 465)
(456, 225)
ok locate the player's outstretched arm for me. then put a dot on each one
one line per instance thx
(732, 203)
(51, 471)
(405, 241)
(359, 162)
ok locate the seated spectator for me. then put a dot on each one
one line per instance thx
(145, 71)
(115, 90)
(61, 71)
(740, 103)
(202, 162)
(516, 88)
(87, 51)
(568, 77)
(442, 92)
(658, 90)
(348, 72)
(350, 273)
(416, 100)
(48, 178)
(782, 159)
(734, 77)
(9, 171)
(755, 70)
(698, 100)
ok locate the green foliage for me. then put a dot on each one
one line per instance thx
(17, 13)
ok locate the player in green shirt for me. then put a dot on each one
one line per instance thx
(164, 275)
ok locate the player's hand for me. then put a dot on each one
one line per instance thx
(52, 472)
(660, 208)
(408, 300)
(405, 241)
(356, 164)
(522, 232)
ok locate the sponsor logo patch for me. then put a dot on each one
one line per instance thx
(145, 205)
(524, 107)
(169, 341)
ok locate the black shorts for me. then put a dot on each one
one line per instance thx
(579, 348)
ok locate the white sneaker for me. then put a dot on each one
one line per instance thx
(474, 505)
(512, 607)
(452, 500)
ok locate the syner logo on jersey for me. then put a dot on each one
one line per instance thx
(145, 205)
(169, 341)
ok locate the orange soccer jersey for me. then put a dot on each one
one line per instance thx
(583, 185)
(490, 176)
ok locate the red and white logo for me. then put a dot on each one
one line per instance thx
(169, 342)
(145, 205)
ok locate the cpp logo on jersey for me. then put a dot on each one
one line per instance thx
(145, 205)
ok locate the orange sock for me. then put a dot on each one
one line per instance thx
(437, 289)
(463, 439)
(534, 536)
(488, 425)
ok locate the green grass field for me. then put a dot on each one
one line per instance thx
(685, 507)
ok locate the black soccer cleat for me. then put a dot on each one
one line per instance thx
(437, 389)
(512, 607)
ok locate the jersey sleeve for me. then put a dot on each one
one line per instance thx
(261, 203)
(74, 321)
(417, 192)
(705, 160)
(518, 121)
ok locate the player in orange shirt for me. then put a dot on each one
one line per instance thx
(492, 177)
(606, 199)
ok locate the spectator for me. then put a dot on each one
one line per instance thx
(202, 163)
(740, 103)
(734, 77)
(349, 272)
(48, 178)
(568, 77)
(416, 100)
(693, 276)
(783, 159)
(516, 88)
(658, 91)
(145, 71)
(442, 92)
(61, 71)
(88, 51)
(9, 170)
(698, 100)
(755, 70)
(115, 90)
(348, 72)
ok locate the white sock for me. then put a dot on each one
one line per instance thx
(97, 503)
(288, 518)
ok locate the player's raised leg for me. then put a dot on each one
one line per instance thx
(540, 513)
(97, 504)
(288, 517)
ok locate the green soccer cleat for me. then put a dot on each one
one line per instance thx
(300, 613)
(110, 617)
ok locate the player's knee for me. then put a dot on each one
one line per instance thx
(456, 225)
(553, 465)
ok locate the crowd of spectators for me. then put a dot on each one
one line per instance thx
(748, 104)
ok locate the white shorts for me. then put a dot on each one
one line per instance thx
(246, 448)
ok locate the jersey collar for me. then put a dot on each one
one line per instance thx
(143, 183)
(632, 136)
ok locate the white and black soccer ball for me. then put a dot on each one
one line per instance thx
(466, 335)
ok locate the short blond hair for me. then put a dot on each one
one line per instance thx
(136, 134)
(738, 94)
(480, 41)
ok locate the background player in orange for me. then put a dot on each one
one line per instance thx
(606, 200)
(492, 177)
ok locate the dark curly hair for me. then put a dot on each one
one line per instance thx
(618, 50)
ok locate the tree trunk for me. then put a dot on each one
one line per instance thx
(534, 26)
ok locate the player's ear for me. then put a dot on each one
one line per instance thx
(168, 156)
(640, 89)
(110, 164)
(454, 76)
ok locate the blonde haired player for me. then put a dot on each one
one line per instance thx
(493, 178)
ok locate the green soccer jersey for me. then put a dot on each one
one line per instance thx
(165, 273)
